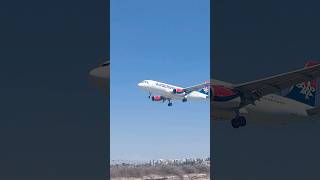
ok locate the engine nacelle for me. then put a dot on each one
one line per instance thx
(225, 97)
(178, 91)
(157, 98)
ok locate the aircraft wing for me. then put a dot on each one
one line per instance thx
(253, 90)
(196, 87)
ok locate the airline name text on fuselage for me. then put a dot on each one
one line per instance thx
(164, 85)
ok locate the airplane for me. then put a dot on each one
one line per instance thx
(287, 97)
(167, 92)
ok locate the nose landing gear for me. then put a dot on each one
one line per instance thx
(239, 121)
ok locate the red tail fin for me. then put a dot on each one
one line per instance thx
(310, 64)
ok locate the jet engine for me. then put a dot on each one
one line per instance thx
(178, 91)
(157, 98)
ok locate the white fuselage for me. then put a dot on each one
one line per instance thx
(269, 108)
(166, 90)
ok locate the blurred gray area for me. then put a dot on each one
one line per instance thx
(53, 122)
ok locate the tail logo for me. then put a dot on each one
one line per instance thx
(307, 89)
(206, 89)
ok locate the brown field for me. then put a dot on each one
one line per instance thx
(161, 172)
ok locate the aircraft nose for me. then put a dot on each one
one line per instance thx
(140, 85)
(100, 72)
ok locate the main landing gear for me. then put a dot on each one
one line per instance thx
(184, 100)
(149, 95)
(170, 103)
(238, 121)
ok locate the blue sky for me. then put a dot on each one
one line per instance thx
(167, 41)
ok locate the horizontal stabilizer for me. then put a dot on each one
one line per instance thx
(314, 111)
